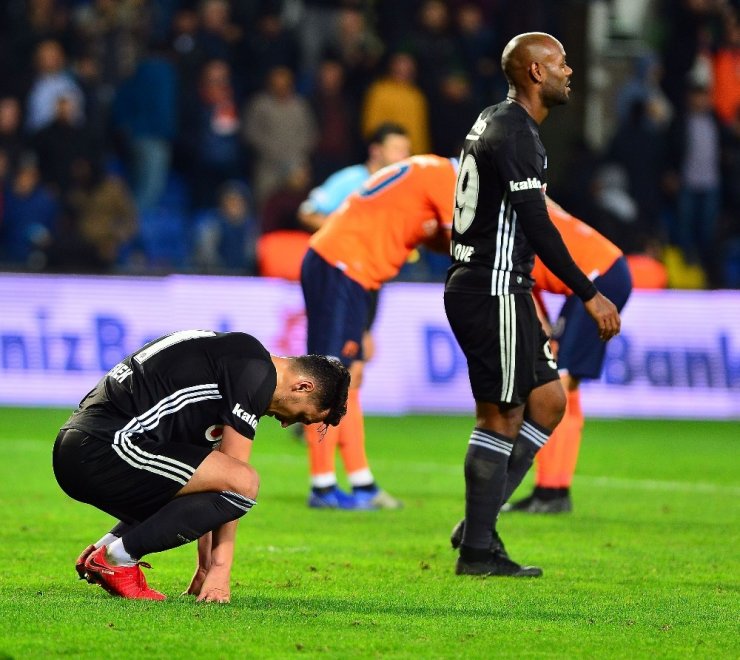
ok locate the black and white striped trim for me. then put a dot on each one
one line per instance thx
(507, 345)
(503, 262)
(239, 501)
(483, 439)
(162, 465)
(533, 434)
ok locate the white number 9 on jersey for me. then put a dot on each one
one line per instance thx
(466, 194)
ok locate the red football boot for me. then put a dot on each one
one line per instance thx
(80, 563)
(123, 581)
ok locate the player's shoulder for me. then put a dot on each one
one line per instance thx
(244, 344)
(502, 123)
(348, 175)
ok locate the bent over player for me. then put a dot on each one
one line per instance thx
(361, 246)
(500, 223)
(162, 443)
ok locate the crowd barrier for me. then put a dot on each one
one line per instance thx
(678, 355)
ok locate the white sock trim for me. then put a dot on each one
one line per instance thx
(117, 554)
(324, 480)
(106, 540)
(361, 478)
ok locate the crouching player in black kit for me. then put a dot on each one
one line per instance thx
(162, 443)
(501, 221)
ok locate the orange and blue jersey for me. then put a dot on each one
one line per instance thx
(593, 253)
(370, 236)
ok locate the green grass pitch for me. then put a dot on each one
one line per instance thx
(646, 566)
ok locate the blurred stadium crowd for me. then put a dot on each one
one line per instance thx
(151, 136)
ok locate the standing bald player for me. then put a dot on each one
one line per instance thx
(501, 221)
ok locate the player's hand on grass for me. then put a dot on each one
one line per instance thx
(604, 312)
(216, 587)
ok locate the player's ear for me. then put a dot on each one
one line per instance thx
(535, 72)
(303, 385)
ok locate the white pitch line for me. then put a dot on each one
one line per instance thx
(622, 483)
(595, 481)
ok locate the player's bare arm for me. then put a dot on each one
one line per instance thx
(211, 582)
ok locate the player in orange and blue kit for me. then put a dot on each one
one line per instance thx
(362, 245)
(580, 353)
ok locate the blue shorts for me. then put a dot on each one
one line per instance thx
(580, 351)
(337, 310)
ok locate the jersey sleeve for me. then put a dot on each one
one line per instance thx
(522, 168)
(247, 391)
(548, 244)
(327, 197)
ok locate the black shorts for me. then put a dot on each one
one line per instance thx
(130, 483)
(503, 341)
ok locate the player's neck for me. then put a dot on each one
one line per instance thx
(536, 111)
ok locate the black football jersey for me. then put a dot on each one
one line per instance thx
(183, 387)
(503, 163)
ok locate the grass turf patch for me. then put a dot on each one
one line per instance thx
(646, 565)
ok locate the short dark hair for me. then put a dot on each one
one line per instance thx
(331, 378)
(385, 129)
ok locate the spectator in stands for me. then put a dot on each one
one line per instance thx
(338, 133)
(188, 59)
(480, 53)
(638, 146)
(453, 113)
(51, 82)
(644, 87)
(23, 26)
(226, 235)
(280, 210)
(396, 98)
(103, 213)
(268, 45)
(280, 128)
(358, 48)
(433, 45)
(112, 32)
(317, 30)
(61, 142)
(145, 115)
(695, 144)
(29, 218)
(11, 136)
(212, 134)
(218, 37)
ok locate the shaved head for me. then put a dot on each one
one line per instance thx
(523, 50)
(538, 75)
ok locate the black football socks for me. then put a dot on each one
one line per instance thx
(486, 464)
(184, 519)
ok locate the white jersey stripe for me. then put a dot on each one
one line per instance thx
(165, 462)
(142, 460)
(178, 404)
(148, 468)
(158, 464)
(176, 395)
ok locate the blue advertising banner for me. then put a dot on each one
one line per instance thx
(678, 355)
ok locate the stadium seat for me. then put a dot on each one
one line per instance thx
(647, 272)
(280, 253)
